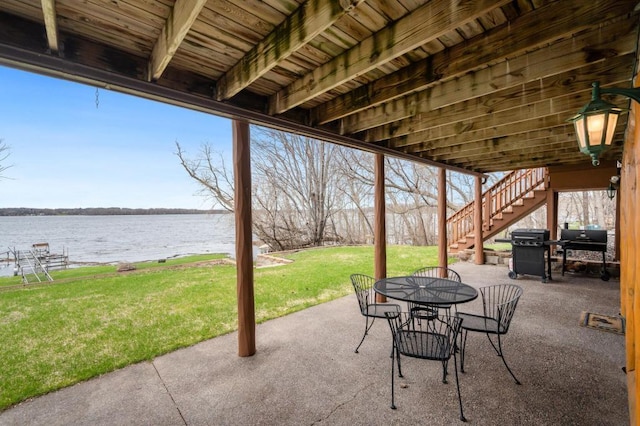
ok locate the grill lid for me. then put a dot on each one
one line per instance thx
(584, 235)
(530, 234)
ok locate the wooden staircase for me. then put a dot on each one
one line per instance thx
(518, 194)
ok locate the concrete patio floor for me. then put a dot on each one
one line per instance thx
(306, 372)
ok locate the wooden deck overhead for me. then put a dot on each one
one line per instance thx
(473, 85)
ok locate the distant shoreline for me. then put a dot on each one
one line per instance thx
(101, 211)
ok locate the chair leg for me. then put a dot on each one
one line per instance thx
(444, 371)
(463, 344)
(393, 373)
(399, 364)
(495, 348)
(367, 327)
(462, 418)
(504, 361)
(445, 363)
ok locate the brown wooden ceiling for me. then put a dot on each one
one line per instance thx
(477, 85)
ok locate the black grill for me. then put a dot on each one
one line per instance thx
(589, 240)
(530, 253)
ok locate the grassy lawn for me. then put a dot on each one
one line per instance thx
(94, 320)
(498, 246)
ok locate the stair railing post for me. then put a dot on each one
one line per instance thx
(488, 213)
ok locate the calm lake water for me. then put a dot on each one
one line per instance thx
(111, 239)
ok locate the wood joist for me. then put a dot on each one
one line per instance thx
(493, 46)
(436, 81)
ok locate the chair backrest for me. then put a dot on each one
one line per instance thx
(434, 339)
(499, 302)
(437, 271)
(363, 286)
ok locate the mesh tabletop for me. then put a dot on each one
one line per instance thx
(425, 290)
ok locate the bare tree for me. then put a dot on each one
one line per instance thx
(354, 220)
(411, 192)
(585, 208)
(308, 193)
(208, 168)
(4, 154)
(294, 188)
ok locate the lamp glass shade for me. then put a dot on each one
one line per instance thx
(579, 124)
(611, 125)
(596, 127)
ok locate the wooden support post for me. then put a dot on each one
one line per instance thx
(244, 238)
(616, 247)
(380, 230)
(477, 223)
(552, 217)
(552, 213)
(629, 198)
(442, 218)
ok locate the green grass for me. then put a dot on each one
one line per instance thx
(88, 271)
(94, 320)
(498, 246)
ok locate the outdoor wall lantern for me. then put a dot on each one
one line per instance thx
(596, 123)
(614, 183)
(611, 191)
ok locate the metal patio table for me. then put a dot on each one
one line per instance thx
(425, 290)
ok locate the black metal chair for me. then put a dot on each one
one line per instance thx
(363, 286)
(433, 340)
(430, 312)
(499, 304)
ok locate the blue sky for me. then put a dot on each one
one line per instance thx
(66, 153)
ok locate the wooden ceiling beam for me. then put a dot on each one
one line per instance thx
(530, 142)
(542, 97)
(497, 44)
(447, 145)
(505, 74)
(527, 162)
(545, 140)
(424, 24)
(564, 56)
(310, 19)
(469, 135)
(178, 24)
(515, 120)
(182, 89)
(545, 114)
(50, 23)
(557, 148)
(551, 145)
(499, 157)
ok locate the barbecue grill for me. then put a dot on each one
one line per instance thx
(530, 253)
(589, 240)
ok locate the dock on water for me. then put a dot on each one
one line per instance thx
(34, 264)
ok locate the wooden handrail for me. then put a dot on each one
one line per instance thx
(513, 187)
